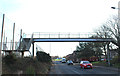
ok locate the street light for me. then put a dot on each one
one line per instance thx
(118, 22)
(113, 7)
(108, 53)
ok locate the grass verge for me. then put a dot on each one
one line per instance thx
(104, 63)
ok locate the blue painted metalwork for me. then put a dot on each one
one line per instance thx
(71, 40)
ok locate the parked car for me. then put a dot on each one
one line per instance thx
(70, 62)
(85, 64)
(103, 59)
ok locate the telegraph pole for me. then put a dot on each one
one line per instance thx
(13, 35)
(1, 45)
(2, 33)
(20, 39)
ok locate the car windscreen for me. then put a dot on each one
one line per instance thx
(70, 61)
(86, 62)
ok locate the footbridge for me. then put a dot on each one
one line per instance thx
(65, 37)
(26, 40)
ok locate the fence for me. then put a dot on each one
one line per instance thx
(10, 46)
(7, 40)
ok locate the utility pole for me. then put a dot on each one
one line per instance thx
(6, 45)
(2, 33)
(20, 40)
(13, 36)
(1, 45)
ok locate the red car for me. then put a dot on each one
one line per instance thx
(85, 64)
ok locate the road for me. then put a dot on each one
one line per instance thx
(63, 68)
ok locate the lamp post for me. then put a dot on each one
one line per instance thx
(118, 29)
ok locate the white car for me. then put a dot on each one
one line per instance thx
(70, 62)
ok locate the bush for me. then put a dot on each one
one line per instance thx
(27, 65)
(10, 59)
(43, 57)
(30, 70)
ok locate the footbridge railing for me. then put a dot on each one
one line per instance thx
(59, 35)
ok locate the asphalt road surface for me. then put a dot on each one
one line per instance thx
(63, 68)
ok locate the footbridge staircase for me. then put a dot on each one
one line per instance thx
(22, 46)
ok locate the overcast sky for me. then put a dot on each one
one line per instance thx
(56, 16)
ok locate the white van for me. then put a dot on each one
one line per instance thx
(63, 60)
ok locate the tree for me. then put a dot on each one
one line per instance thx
(89, 49)
(110, 29)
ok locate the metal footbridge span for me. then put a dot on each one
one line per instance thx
(26, 40)
(66, 37)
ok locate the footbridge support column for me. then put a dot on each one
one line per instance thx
(33, 49)
(22, 53)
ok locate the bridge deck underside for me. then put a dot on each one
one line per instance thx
(72, 40)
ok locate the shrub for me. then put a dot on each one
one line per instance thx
(43, 57)
(10, 59)
(30, 70)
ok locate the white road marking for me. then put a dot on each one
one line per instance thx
(76, 72)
